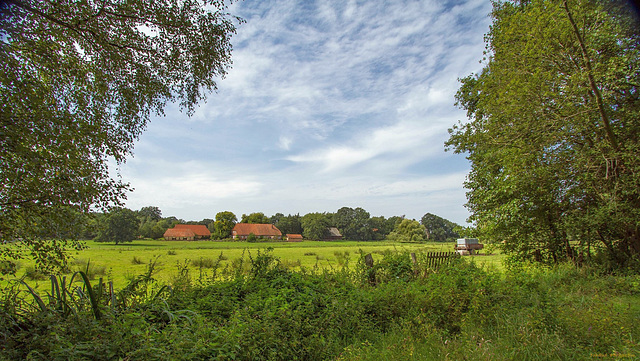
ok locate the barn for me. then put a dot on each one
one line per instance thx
(187, 232)
(243, 230)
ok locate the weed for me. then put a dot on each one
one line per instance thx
(290, 264)
(171, 252)
(136, 260)
(33, 274)
(203, 262)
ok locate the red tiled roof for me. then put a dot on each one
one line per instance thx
(244, 229)
(198, 229)
(294, 237)
(179, 232)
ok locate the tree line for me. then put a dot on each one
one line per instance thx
(124, 225)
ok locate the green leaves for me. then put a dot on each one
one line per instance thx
(554, 119)
(79, 83)
(119, 225)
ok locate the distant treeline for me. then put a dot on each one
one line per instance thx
(124, 225)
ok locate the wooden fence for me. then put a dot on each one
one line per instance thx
(435, 259)
(432, 260)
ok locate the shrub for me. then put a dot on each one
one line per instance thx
(204, 262)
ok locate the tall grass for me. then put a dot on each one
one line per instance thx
(257, 308)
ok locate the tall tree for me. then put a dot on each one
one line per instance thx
(354, 224)
(150, 213)
(80, 80)
(409, 230)
(315, 226)
(287, 224)
(119, 225)
(439, 229)
(222, 227)
(256, 218)
(555, 130)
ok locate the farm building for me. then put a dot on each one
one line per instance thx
(187, 232)
(243, 230)
(294, 237)
(333, 234)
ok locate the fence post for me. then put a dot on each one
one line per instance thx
(368, 260)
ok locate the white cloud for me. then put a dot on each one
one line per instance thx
(321, 91)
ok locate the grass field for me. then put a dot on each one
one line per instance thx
(120, 263)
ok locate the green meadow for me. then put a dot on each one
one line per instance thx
(121, 263)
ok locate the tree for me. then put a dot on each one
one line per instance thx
(80, 81)
(150, 213)
(439, 229)
(409, 230)
(119, 225)
(222, 227)
(287, 224)
(315, 226)
(353, 223)
(255, 218)
(555, 130)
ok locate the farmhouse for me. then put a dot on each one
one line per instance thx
(333, 234)
(294, 237)
(187, 232)
(243, 230)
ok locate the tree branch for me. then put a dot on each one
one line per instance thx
(592, 83)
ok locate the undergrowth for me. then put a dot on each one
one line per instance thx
(258, 308)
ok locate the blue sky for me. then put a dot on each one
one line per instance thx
(328, 104)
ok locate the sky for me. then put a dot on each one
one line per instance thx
(328, 104)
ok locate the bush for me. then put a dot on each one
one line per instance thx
(204, 262)
(259, 309)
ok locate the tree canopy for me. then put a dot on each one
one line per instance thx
(119, 225)
(554, 131)
(439, 229)
(315, 226)
(409, 230)
(255, 218)
(225, 221)
(354, 224)
(79, 82)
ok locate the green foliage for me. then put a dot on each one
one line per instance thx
(252, 238)
(80, 81)
(287, 224)
(225, 221)
(255, 218)
(439, 229)
(409, 230)
(119, 225)
(315, 226)
(203, 262)
(136, 260)
(354, 224)
(150, 213)
(261, 310)
(554, 131)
